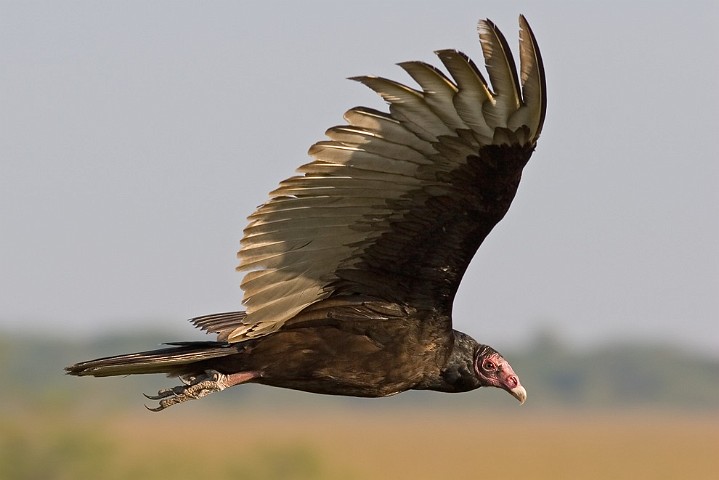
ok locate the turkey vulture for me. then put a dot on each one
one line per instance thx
(353, 264)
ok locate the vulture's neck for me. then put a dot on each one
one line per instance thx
(457, 374)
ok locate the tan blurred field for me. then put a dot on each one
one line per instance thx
(412, 444)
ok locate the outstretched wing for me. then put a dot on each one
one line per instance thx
(394, 205)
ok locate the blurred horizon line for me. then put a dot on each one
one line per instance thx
(544, 336)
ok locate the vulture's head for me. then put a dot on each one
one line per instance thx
(493, 370)
(472, 365)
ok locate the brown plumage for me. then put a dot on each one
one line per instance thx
(354, 263)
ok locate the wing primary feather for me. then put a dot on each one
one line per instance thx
(534, 83)
(390, 128)
(409, 104)
(472, 93)
(500, 66)
(438, 91)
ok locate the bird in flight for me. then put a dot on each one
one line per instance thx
(353, 264)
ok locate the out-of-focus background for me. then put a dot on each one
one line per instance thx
(137, 136)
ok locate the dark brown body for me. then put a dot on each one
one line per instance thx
(337, 347)
(358, 356)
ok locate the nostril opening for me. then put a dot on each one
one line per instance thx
(513, 381)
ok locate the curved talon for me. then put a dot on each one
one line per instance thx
(164, 393)
(156, 409)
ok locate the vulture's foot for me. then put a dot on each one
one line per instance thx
(197, 387)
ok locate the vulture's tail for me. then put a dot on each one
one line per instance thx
(174, 360)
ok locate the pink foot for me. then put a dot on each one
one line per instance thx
(197, 387)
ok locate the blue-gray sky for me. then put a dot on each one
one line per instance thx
(135, 137)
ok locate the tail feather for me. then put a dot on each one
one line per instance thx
(172, 360)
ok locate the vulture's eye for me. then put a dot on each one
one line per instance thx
(489, 366)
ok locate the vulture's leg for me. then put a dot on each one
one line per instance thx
(198, 387)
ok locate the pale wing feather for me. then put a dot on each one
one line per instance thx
(472, 93)
(408, 106)
(382, 124)
(363, 157)
(369, 173)
(308, 213)
(534, 88)
(438, 90)
(502, 74)
(373, 143)
(296, 227)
